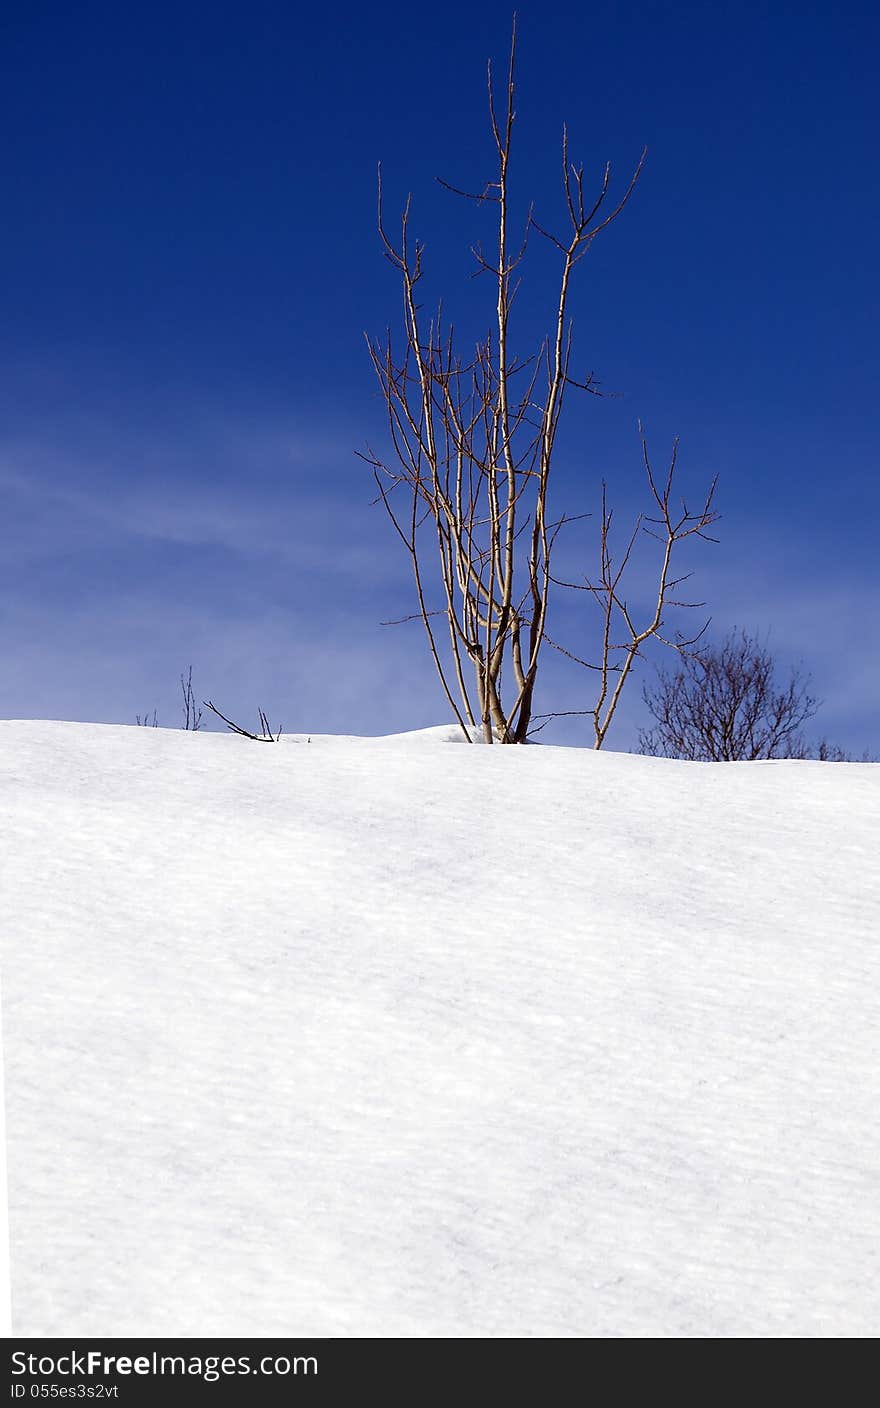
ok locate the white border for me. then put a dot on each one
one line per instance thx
(5, 1275)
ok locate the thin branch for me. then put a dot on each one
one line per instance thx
(267, 735)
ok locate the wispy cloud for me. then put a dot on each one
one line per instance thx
(286, 507)
(273, 582)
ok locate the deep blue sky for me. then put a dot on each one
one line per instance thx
(189, 263)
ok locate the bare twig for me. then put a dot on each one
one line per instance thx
(617, 658)
(265, 736)
(192, 715)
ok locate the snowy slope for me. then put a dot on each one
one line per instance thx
(392, 1038)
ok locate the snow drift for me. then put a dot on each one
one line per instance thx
(387, 1038)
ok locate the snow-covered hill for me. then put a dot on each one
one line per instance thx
(391, 1038)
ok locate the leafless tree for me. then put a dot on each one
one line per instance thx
(725, 704)
(832, 753)
(145, 721)
(473, 443)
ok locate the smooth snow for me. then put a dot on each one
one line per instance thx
(380, 1038)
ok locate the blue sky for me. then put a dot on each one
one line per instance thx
(190, 262)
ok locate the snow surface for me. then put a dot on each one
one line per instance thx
(382, 1038)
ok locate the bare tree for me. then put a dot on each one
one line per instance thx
(832, 753)
(725, 704)
(473, 443)
(145, 721)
